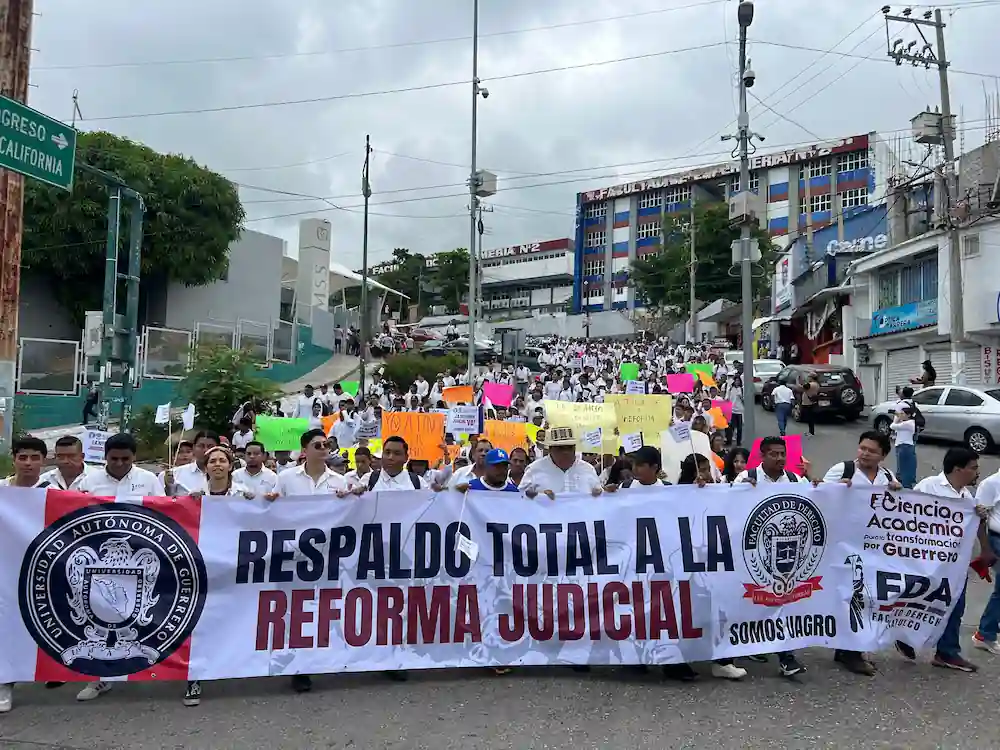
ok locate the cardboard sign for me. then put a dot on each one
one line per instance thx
(635, 387)
(281, 433)
(649, 415)
(93, 445)
(680, 383)
(628, 371)
(632, 443)
(423, 433)
(499, 394)
(506, 435)
(464, 419)
(592, 440)
(458, 394)
(726, 407)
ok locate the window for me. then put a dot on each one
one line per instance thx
(595, 290)
(918, 282)
(596, 211)
(817, 168)
(888, 289)
(928, 396)
(593, 268)
(734, 183)
(651, 200)
(960, 397)
(852, 161)
(596, 239)
(820, 203)
(678, 194)
(857, 197)
(645, 231)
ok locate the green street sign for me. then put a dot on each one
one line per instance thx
(35, 145)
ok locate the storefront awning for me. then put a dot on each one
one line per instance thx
(783, 317)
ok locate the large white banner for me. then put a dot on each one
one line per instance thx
(165, 588)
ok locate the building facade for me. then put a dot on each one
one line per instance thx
(525, 280)
(620, 224)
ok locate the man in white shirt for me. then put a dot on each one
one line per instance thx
(358, 476)
(961, 470)
(256, 477)
(773, 456)
(120, 478)
(243, 436)
(70, 468)
(560, 471)
(304, 403)
(783, 398)
(192, 478)
(393, 475)
(523, 377)
(988, 508)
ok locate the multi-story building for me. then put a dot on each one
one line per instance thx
(619, 224)
(526, 279)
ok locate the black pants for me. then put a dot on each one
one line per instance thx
(89, 410)
(735, 425)
(809, 415)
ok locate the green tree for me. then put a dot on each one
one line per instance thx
(662, 278)
(192, 216)
(451, 276)
(406, 278)
(220, 379)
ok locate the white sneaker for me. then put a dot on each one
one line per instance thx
(728, 671)
(981, 643)
(93, 690)
(6, 697)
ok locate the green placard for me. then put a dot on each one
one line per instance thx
(35, 145)
(350, 386)
(628, 371)
(693, 368)
(280, 433)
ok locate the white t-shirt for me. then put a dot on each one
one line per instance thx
(785, 477)
(939, 486)
(782, 394)
(260, 484)
(883, 477)
(988, 494)
(296, 482)
(904, 431)
(240, 439)
(138, 482)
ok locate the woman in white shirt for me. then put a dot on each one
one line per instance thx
(734, 394)
(904, 428)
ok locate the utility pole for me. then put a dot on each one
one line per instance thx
(473, 194)
(15, 58)
(366, 190)
(745, 17)
(693, 273)
(927, 56)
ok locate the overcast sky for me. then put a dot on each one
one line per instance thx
(650, 115)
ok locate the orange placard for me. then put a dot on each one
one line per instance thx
(329, 422)
(719, 420)
(423, 433)
(453, 452)
(706, 380)
(506, 435)
(457, 394)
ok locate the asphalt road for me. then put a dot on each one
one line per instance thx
(911, 706)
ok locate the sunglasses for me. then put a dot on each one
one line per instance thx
(320, 446)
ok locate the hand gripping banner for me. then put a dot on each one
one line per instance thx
(173, 589)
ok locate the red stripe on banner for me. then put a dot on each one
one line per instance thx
(186, 512)
(59, 503)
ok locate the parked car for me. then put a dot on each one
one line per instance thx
(952, 412)
(527, 356)
(426, 334)
(840, 391)
(764, 370)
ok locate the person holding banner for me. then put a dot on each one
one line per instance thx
(29, 454)
(192, 477)
(255, 477)
(560, 470)
(70, 469)
(495, 478)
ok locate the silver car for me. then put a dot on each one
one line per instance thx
(952, 412)
(764, 370)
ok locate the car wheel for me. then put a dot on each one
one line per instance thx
(882, 425)
(979, 440)
(797, 412)
(766, 403)
(848, 396)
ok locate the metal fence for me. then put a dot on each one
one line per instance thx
(283, 342)
(254, 337)
(166, 353)
(215, 334)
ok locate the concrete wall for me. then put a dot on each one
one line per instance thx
(251, 290)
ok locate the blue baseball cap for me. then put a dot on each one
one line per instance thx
(497, 456)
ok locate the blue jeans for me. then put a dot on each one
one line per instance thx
(906, 465)
(950, 642)
(989, 623)
(782, 412)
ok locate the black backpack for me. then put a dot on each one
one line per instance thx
(373, 480)
(850, 468)
(918, 418)
(790, 475)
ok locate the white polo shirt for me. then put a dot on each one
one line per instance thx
(138, 482)
(784, 478)
(260, 484)
(782, 395)
(191, 478)
(296, 482)
(988, 494)
(939, 486)
(883, 477)
(55, 478)
(400, 482)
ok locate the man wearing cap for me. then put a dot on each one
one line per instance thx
(495, 474)
(560, 471)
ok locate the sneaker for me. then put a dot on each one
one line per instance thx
(6, 697)
(854, 661)
(953, 662)
(93, 690)
(790, 666)
(979, 642)
(906, 650)
(728, 672)
(192, 696)
(302, 683)
(680, 672)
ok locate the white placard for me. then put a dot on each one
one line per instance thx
(632, 443)
(162, 414)
(463, 420)
(93, 445)
(681, 432)
(635, 387)
(592, 439)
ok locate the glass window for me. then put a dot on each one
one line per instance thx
(856, 197)
(852, 161)
(928, 396)
(888, 289)
(645, 231)
(680, 194)
(961, 397)
(650, 200)
(596, 239)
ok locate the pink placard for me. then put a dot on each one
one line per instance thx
(725, 406)
(680, 383)
(499, 394)
(793, 446)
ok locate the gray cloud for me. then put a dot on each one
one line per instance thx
(663, 107)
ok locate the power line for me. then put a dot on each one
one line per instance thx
(286, 166)
(771, 109)
(394, 45)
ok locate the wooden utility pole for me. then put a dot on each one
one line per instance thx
(15, 54)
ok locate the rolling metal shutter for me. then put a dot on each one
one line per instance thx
(941, 359)
(901, 365)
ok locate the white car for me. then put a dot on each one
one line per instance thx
(764, 370)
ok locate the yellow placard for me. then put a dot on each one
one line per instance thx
(650, 415)
(580, 416)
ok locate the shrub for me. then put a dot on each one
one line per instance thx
(402, 369)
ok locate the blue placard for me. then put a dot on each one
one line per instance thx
(905, 317)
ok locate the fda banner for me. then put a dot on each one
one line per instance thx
(172, 589)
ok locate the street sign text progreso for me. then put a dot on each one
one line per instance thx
(35, 145)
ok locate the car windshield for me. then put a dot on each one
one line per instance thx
(768, 367)
(832, 378)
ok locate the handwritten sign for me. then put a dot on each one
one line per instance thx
(93, 445)
(464, 419)
(281, 433)
(423, 433)
(581, 416)
(649, 415)
(499, 394)
(506, 435)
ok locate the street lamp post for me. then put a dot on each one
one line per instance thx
(473, 193)
(745, 17)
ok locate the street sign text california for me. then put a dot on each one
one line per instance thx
(35, 145)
